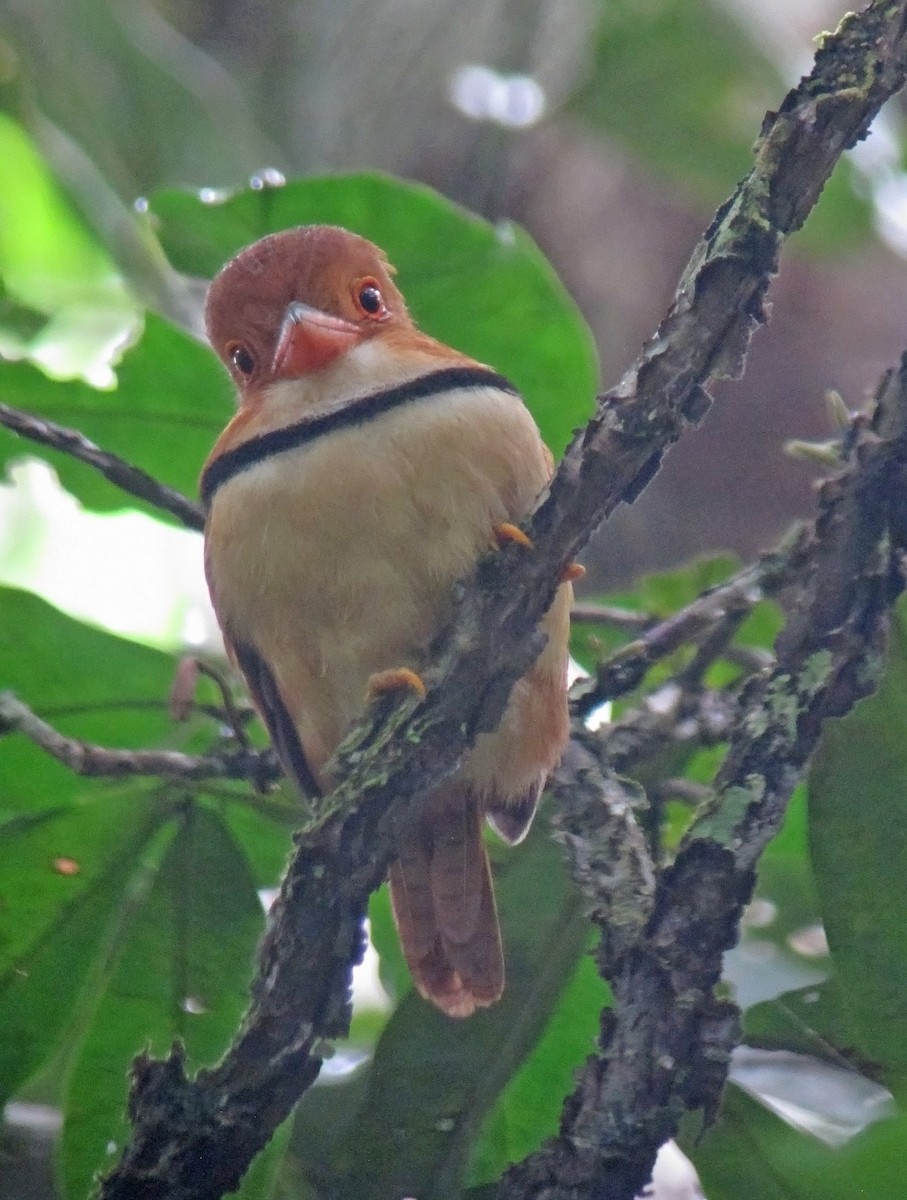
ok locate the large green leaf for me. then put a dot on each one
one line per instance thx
(52, 269)
(171, 400)
(180, 970)
(93, 686)
(67, 845)
(47, 257)
(107, 886)
(528, 1110)
(392, 965)
(433, 1080)
(70, 672)
(55, 924)
(485, 289)
(67, 673)
(809, 1020)
(857, 812)
(817, 1078)
(750, 1154)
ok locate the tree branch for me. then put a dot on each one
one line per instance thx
(669, 718)
(720, 605)
(666, 1044)
(259, 767)
(195, 1138)
(124, 475)
(613, 615)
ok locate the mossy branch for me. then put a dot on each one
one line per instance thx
(194, 1138)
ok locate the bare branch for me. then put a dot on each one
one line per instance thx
(84, 758)
(667, 719)
(611, 614)
(122, 474)
(724, 606)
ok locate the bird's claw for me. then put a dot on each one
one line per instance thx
(572, 572)
(505, 532)
(395, 680)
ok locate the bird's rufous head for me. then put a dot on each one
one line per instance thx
(291, 303)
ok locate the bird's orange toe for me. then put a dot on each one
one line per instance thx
(395, 680)
(505, 532)
(572, 572)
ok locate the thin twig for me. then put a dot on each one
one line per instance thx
(124, 475)
(724, 605)
(236, 717)
(611, 615)
(749, 659)
(669, 719)
(86, 758)
(687, 791)
(712, 647)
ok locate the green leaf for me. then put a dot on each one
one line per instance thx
(529, 1108)
(66, 844)
(128, 913)
(84, 679)
(667, 591)
(18, 321)
(93, 686)
(50, 264)
(181, 971)
(266, 841)
(171, 400)
(47, 256)
(87, 684)
(433, 1080)
(857, 810)
(749, 1154)
(70, 847)
(487, 290)
(53, 926)
(392, 967)
(809, 1020)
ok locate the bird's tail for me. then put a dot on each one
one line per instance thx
(443, 902)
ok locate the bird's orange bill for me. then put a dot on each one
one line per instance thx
(310, 340)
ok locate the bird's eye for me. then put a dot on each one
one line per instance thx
(369, 298)
(241, 357)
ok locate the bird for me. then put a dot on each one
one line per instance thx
(367, 469)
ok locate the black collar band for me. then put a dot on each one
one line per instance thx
(365, 408)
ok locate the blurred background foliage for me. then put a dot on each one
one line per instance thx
(608, 129)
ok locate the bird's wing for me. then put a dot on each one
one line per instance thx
(269, 702)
